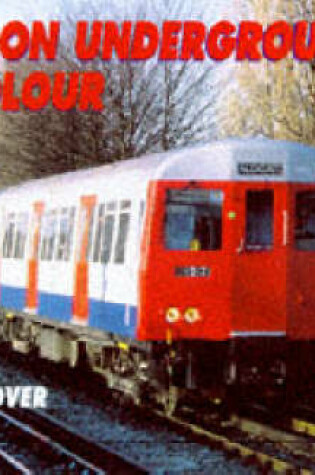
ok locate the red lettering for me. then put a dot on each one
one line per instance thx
(284, 32)
(65, 101)
(19, 31)
(36, 91)
(83, 50)
(114, 40)
(194, 37)
(302, 50)
(170, 40)
(144, 30)
(92, 89)
(249, 36)
(40, 39)
(10, 102)
(223, 49)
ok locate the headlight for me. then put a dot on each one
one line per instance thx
(172, 315)
(192, 315)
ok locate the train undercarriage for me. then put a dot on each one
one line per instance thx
(186, 372)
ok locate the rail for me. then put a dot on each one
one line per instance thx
(35, 440)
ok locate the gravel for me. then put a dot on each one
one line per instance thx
(120, 427)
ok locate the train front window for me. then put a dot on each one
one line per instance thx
(305, 221)
(194, 219)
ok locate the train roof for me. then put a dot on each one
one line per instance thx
(257, 159)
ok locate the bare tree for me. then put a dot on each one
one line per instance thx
(149, 106)
(48, 141)
(273, 99)
(159, 105)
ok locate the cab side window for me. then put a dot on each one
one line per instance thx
(305, 221)
(259, 219)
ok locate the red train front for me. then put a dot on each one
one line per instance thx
(228, 262)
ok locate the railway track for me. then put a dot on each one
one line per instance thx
(303, 420)
(269, 448)
(34, 442)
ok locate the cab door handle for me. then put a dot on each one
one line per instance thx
(241, 246)
(285, 227)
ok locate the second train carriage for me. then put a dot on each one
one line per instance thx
(181, 269)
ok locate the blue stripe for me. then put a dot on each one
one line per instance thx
(113, 317)
(13, 297)
(117, 318)
(57, 307)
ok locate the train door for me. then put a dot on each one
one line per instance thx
(99, 256)
(55, 263)
(14, 259)
(301, 263)
(259, 284)
(112, 283)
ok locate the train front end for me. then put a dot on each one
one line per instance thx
(185, 279)
(216, 293)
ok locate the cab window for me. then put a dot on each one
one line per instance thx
(259, 219)
(305, 221)
(193, 219)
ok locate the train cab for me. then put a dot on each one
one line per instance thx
(229, 255)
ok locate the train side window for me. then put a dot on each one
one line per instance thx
(49, 230)
(65, 234)
(70, 232)
(125, 204)
(111, 206)
(141, 212)
(259, 219)
(99, 233)
(20, 235)
(107, 240)
(304, 231)
(8, 240)
(91, 224)
(123, 229)
(104, 233)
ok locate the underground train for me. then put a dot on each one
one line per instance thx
(173, 275)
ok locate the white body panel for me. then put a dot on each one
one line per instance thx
(14, 273)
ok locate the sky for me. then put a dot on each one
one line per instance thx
(18, 9)
(208, 11)
(50, 9)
